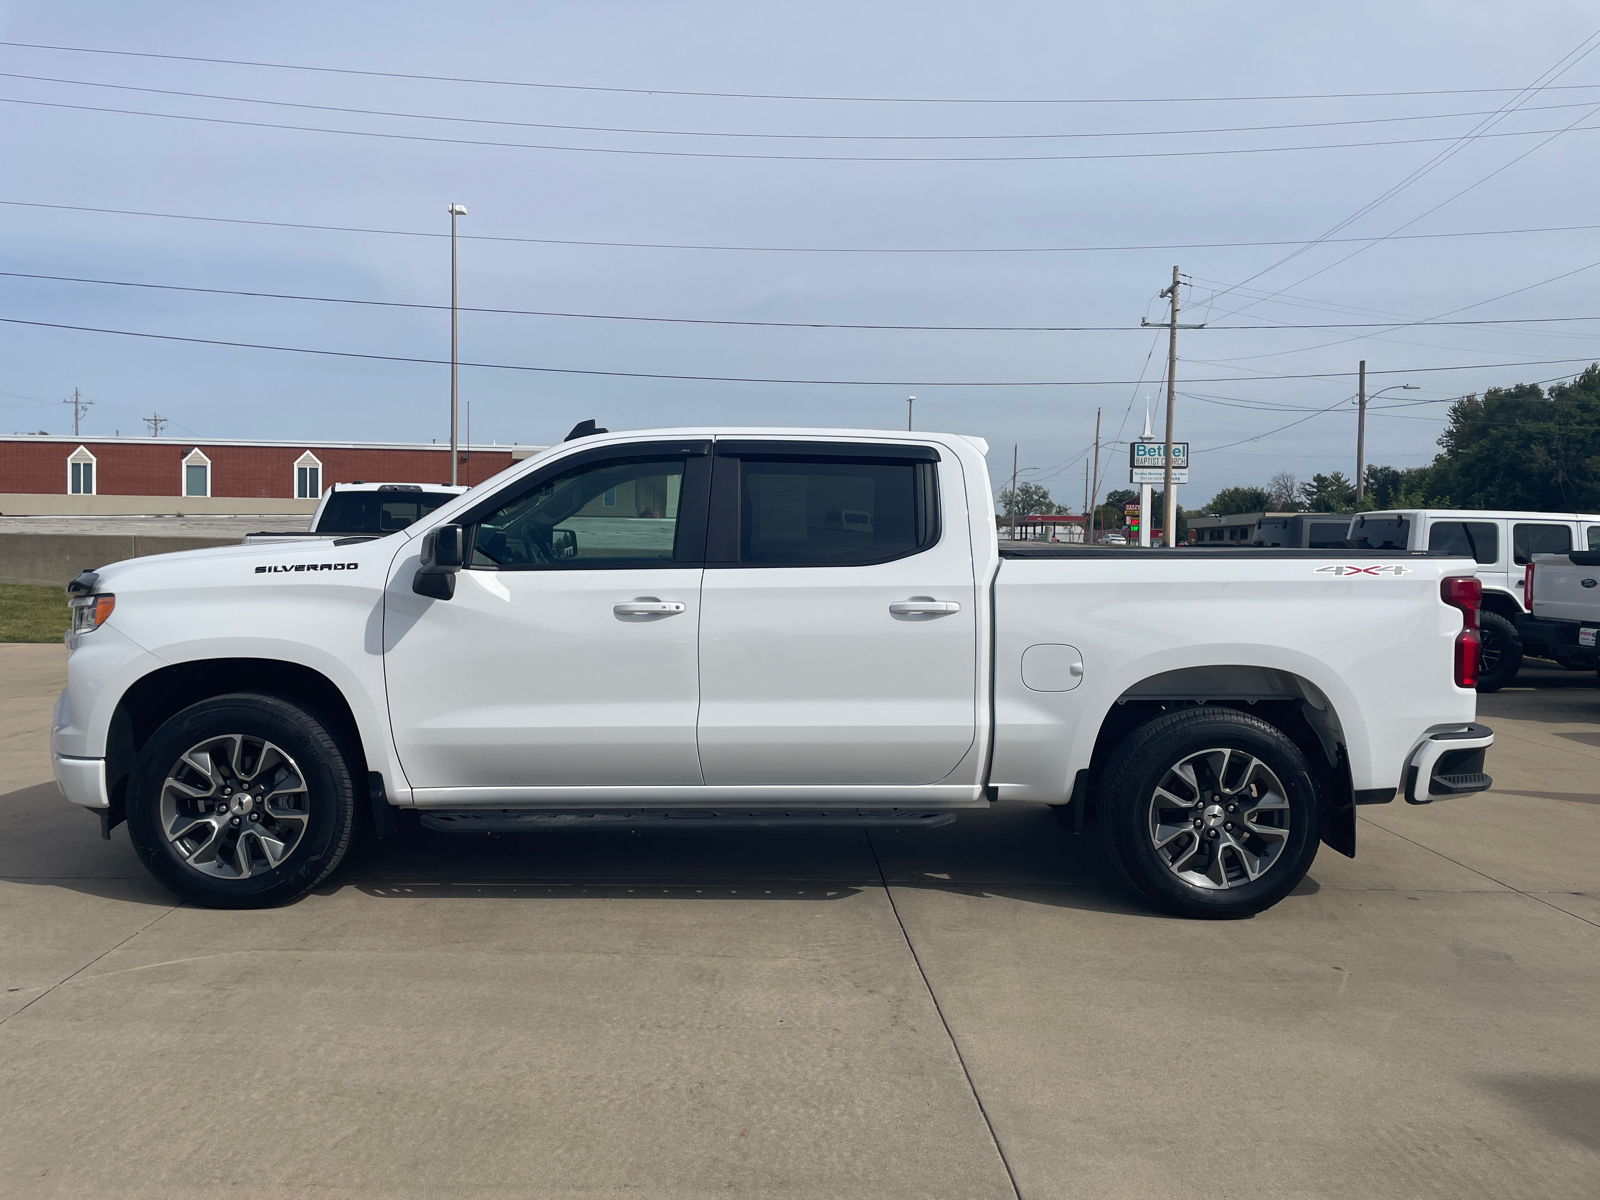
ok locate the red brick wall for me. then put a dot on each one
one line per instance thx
(142, 469)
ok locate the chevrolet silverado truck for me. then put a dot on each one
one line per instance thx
(779, 629)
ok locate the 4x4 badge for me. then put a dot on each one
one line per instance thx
(1376, 569)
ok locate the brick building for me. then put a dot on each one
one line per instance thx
(66, 475)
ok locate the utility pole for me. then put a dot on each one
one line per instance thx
(456, 210)
(1169, 497)
(910, 400)
(1085, 502)
(1095, 494)
(1013, 491)
(155, 422)
(1361, 432)
(79, 407)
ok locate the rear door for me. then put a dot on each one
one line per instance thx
(1535, 537)
(838, 636)
(1477, 540)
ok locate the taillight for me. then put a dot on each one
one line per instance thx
(1464, 592)
(1527, 588)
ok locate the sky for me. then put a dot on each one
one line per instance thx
(894, 164)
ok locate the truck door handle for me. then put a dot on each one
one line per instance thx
(912, 608)
(647, 606)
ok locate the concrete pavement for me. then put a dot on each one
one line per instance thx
(971, 1011)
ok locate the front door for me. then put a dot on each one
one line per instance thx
(566, 657)
(838, 641)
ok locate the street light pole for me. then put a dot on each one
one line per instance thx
(910, 400)
(1361, 424)
(456, 210)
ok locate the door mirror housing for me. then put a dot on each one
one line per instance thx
(564, 543)
(443, 553)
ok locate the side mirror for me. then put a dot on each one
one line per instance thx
(443, 553)
(564, 543)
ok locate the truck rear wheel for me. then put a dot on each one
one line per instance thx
(241, 801)
(1209, 812)
(1499, 652)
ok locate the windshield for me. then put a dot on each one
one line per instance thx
(377, 513)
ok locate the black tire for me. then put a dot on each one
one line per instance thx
(273, 776)
(1219, 852)
(1499, 652)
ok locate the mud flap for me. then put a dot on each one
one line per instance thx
(1337, 810)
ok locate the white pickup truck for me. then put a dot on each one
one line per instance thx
(1562, 592)
(761, 628)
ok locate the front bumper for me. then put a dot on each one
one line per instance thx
(1449, 763)
(82, 780)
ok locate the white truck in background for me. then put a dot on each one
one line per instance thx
(1502, 543)
(1562, 592)
(363, 509)
(716, 628)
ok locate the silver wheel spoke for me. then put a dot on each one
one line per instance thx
(208, 795)
(1242, 812)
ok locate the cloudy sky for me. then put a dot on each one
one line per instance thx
(891, 164)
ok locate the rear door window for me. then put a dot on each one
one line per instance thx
(1594, 537)
(783, 506)
(1477, 540)
(1530, 539)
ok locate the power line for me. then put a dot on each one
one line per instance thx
(636, 91)
(1004, 383)
(812, 137)
(479, 237)
(588, 316)
(722, 154)
(1542, 81)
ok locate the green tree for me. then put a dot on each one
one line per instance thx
(1330, 493)
(1027, 499)
(1233, 500)
(1522, 448)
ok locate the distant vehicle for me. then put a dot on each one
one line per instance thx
(1310, 531)
(366, 510)
(1503, 543)
(1562, 592)
(1112, 539)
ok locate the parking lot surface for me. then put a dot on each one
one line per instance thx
(974, 1011)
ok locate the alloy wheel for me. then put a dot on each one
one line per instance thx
(233, 806)
(1219, 818)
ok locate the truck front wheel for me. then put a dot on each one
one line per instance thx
(241, 801)
(1209, 812)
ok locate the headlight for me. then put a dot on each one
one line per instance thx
(90, 612)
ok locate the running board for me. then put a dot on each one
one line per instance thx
(524, 821)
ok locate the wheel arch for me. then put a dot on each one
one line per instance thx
(1284, 699)
(156, 697)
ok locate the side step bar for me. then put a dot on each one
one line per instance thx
(543, 821)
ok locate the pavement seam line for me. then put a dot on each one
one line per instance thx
(1482, 874)
(91, 962)
(994, 1138)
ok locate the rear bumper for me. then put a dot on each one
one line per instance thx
(1449, 763)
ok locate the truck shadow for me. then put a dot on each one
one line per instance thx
(1014, 851)
(1018, 851)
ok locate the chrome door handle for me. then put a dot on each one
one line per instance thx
(647, 606)
(912, 608)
